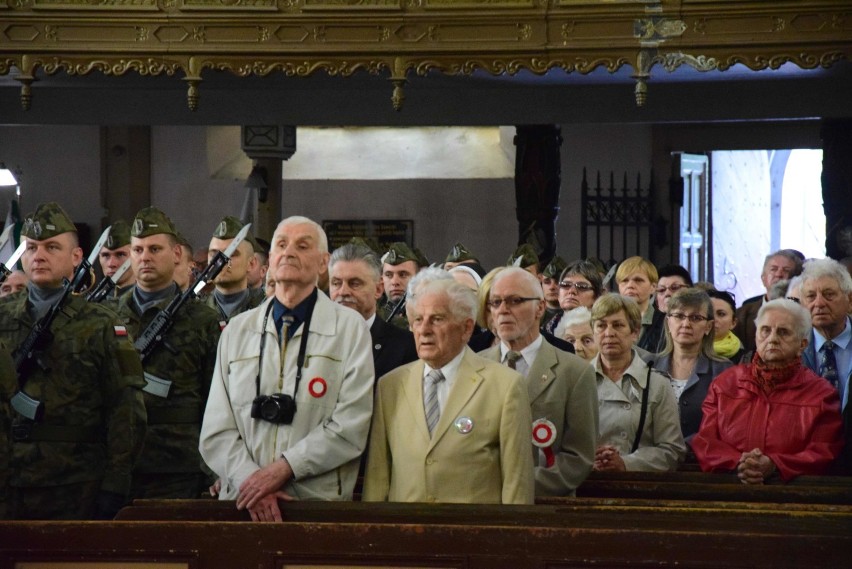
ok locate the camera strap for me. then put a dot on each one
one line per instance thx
(300, 358)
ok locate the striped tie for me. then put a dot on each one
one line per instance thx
(430, 398)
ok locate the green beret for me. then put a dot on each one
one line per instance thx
(524, 256)
(421, 258)
(152, 221)
(48, 220)
(369, 242)
(228, 229)
(119, 235)
(554, 269)
(459, 253)
(399, 253)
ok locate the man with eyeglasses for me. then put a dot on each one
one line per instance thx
(783, 264)
(451, 426)
(561, 386)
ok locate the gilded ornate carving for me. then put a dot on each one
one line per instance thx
(658, 28)
(352, 4)
(112, 5)
(671, 61)
(778, 24)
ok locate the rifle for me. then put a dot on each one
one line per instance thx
(27, 354)
(155, 332)
(5, 269)
(107, 284)
(397, 308)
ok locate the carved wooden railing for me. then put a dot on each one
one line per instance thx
(397, 38)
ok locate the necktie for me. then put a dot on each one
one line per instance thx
(515, 361)
(286, 322)
(828, 364)
(430, 398)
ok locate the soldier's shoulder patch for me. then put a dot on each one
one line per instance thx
(120, 330)
(222, 324)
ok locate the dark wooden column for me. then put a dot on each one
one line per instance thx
(837, 186)
(268, 146)
(125, 172)
(538, 176)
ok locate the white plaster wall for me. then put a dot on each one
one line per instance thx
(741, 220)
(57, 163)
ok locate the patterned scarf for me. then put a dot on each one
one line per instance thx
(768, 377)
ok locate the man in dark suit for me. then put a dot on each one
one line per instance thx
(783, 264)
(355, 281)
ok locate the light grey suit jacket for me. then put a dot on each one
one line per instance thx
(562, 389)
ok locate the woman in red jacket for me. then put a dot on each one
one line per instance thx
(772, 415)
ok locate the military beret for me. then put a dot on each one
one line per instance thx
(369, 242)
(181, 240)
(151, 221)
(524, 256)
(119, 235)
(48, 220)
(399, 253)
(554, 268)
(421, 258)
(460, 253)
(228, 229)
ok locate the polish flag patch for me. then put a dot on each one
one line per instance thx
(120, 330)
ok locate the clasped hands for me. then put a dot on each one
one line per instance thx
(755, 467)
(260, 492)
(608, 459)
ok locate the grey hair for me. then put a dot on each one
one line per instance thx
(818, 268)
(322, 239)
(353, 252)
(525, 275)
(800, 314)
(438, 281)
(579, 315)
(788, 254)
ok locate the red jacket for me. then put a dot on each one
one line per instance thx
(797, 425)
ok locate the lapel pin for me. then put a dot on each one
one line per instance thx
(464, 425)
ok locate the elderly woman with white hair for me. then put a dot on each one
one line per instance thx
(773, 415)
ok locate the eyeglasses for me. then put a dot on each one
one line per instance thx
(694, 318)
(671, 288)
(578, 286)
(511, 301)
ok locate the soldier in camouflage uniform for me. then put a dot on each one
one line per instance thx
(73, 461)
(399, 265)
(178, 371)
(232, 294)
(113, 255)
(550, 284)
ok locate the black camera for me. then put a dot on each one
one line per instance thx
(276, 408)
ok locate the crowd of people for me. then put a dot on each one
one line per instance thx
(291, 372)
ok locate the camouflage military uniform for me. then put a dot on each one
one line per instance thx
(8, 385)
(255, 298)
(170, 465)
(93, 427)
(384, 309)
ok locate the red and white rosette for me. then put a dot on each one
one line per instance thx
(543, 436)
(317, 387)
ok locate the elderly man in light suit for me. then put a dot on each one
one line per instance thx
(291, 398)
(452, 426)
(561, 386)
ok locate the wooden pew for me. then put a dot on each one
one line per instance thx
(701, 486)
(582, 532)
